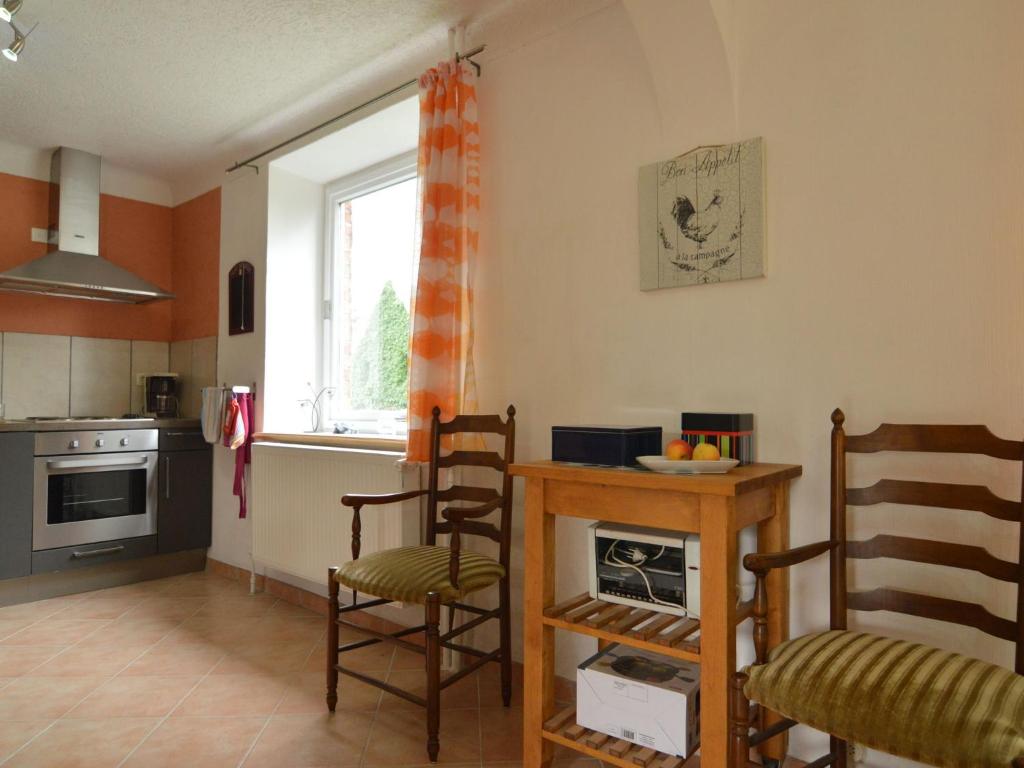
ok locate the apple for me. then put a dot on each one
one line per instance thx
(678, 450)
(706, 452)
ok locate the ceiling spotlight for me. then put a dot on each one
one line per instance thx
(9, 8)
(11, 52)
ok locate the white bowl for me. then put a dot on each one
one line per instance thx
(683, 467)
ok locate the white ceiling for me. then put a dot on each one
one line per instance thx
(164, 86)
(180, 89)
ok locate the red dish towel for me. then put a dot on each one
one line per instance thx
(243, 452)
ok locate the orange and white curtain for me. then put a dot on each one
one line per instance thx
(441, 360)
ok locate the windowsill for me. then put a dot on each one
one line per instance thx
(365, 443)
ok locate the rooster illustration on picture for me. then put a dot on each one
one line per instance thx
(697, 225)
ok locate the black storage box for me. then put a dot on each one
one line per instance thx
(606, 446)
(731, 433)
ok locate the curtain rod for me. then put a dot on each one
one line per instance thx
(248, 161)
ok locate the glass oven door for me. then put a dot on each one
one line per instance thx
(86, 499)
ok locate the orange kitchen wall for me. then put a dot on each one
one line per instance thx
(135, 235)
(196, 266)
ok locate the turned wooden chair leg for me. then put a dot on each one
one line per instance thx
(433, 620)
(332, 640)
(505, 621)
(837, 747)
(740, 722)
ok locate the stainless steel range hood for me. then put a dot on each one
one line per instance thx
(73, 268)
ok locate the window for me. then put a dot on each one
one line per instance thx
(369, 261)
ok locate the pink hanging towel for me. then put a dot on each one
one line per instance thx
(242, 443)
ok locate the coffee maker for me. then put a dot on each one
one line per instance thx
(161, 391)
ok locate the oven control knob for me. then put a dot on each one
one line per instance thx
(73, 444)
(99, 443)
(124, 441)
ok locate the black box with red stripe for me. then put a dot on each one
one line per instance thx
(731, 433)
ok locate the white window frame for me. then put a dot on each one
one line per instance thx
(393, 171)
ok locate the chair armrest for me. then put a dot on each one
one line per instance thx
(762, 562)
(455, 515)
(458, 514)
(356, 500)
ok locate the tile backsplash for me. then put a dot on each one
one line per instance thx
(43, 375)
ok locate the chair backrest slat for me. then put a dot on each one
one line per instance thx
(936, 553)
(487, 424)
(474, 528)
(975, 498)
(925, 438)
(467, 493)
(929, 607)
(472, 459)
(936, 438)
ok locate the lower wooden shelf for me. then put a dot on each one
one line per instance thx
(562, 729)
(662, 633)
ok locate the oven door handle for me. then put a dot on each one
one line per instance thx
(134, 461)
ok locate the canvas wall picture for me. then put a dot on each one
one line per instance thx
(702, 217)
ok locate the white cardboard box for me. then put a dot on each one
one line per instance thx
(642, 697)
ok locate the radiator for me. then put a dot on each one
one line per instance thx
(299, 525)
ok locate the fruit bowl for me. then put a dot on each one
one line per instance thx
(676, 467)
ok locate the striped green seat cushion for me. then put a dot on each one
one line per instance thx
(906, 699)
(407, 574)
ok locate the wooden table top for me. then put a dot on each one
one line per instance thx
(733, 483)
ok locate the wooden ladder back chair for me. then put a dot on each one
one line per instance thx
(434, 575)
(883, 692)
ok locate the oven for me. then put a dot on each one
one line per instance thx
(94, 486)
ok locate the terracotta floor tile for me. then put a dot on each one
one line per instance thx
(311, 741)
(247, 606)
(275, 629)
(162, 607)
(55, 631)
(305, 695)
(35, 698)
(140, 589)
(134, 697)
(273, 658)
(83, 744)
(88, 661)
(198, 742)
(14, 735)
(232, 695)
(99, 608)
(9, 626)
(16, 660)
(136, 632)
(188, 586)
(176, 659)
(221, 630)
(399, 737)
(371, 658)
(502, 733)
(284, 608)
(461, 695)
(35, 611)
(408, 660)
(490, 687)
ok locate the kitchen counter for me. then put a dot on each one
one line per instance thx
(76, 425)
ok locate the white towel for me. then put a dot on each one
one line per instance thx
(212, 414)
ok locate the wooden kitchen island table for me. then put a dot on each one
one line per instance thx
(716, 507)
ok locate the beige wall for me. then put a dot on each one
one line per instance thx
(894, 140)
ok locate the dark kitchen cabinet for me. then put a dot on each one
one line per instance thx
(16, 449)
(186, 491)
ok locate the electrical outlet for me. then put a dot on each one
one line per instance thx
(43, 236)
(854, 753)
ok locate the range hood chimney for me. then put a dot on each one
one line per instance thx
(74, 268)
